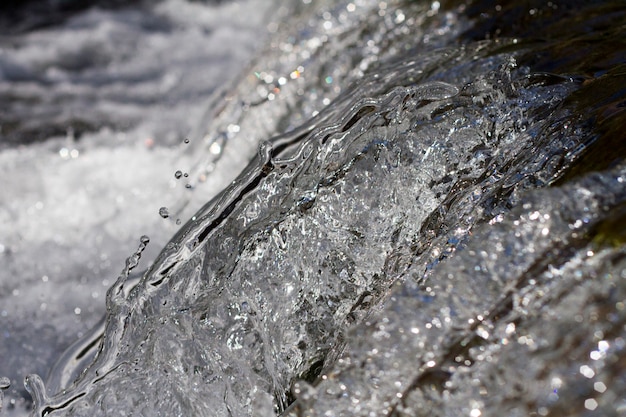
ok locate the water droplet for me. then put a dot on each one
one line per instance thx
(164, 212)
(5, 382)
(178, 174)
(186, 140)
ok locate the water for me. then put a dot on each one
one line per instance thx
(104, 140)
(439, 231)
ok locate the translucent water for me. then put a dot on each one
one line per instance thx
(438, 239)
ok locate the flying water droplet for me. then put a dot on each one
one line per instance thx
(164, 212)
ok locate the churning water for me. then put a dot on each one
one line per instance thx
(432, 223)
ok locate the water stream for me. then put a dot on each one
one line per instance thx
(431, 223)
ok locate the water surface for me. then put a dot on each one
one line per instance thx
(432, 225)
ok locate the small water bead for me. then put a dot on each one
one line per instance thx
(164, 212)
(178, 174)
(186, 140)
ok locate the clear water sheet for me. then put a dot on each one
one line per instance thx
(406, 251)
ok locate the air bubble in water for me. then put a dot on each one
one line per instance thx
(164, 212)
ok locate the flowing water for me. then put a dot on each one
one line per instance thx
(432, 223)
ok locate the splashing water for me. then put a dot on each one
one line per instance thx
(429, 243)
